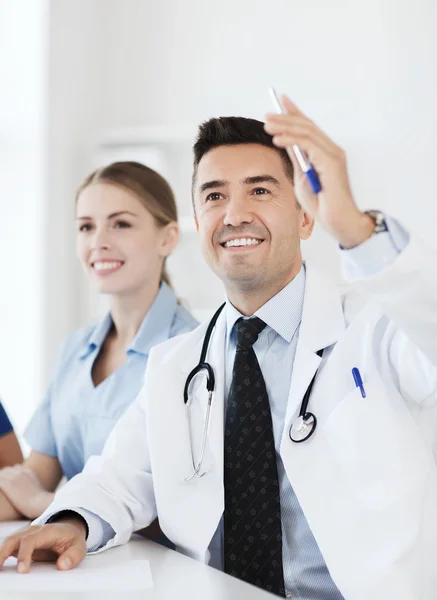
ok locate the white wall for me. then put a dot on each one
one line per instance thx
(75, 97)
(366, 71)
(22, 151)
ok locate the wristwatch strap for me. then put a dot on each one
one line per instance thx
(379, 220)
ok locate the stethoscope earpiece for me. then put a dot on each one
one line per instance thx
(210, 385)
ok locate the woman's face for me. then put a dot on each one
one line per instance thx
(119, 244)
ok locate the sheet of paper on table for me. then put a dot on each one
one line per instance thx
(91, 575)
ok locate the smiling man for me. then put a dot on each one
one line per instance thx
(350, 510)
(249, 221)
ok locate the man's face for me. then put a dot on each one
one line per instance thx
(249, 223)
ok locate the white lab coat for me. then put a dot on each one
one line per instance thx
(366, 480)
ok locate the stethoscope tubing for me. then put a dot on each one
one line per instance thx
(307, 419)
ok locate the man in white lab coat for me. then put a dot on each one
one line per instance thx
(350, 511)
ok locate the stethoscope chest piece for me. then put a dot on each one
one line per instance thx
(303, 427)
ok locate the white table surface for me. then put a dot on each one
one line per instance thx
(175, 577)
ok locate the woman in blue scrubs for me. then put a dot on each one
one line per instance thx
(126, 227)
(10, 452)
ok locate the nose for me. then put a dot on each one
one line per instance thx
(237, 211)
(100, 239)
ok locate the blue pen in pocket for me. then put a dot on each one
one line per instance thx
(358, 381)
(304, 163)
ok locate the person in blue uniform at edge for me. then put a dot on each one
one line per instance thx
(10, 451)
(126, 227)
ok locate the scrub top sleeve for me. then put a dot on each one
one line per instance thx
(39, 433)
(5, 424)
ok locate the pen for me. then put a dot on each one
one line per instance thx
(303, 161)
(358, 381)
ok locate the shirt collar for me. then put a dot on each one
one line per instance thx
(154, 329)
(156, 325)
(97, 336)
(288, 302)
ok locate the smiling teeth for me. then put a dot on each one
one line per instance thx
(242, 242)
(106, 266)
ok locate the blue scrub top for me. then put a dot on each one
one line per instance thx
(75, 417)
(5, 424)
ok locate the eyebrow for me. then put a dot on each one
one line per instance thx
(215, 183)
(255, 179)
(111, 216)
(261, 179)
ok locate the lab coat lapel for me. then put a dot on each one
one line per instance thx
(190, 511)
(321, 326)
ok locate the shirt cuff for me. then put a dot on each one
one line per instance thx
(376, 253)
(99, 531)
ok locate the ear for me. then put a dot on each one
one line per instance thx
(169, 239)
(306, 225)
(196, 223)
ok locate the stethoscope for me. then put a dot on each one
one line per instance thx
(301, 429)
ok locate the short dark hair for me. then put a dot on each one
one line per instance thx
(230, 131)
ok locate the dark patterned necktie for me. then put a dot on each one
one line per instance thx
(252, 517)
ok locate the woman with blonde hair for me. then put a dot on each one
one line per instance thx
(126, 228)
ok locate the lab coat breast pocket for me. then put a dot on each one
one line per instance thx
(377, 446)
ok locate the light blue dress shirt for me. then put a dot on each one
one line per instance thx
(75, 417)
(306, 575)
